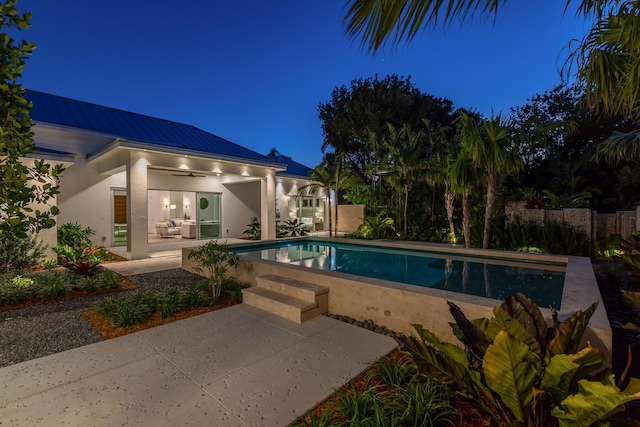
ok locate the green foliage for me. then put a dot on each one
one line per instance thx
(421, 404)
(212, 261)
(254, 230)
(630, 252)
(15, 289)
(321, 420)
(578, 200)
(141, 305)
(393, 395)
(20, 253)
(49, 263)
(366, 106)
(609, 246)
(232, 287)
(194, 297)
(23, 187)
(106, 278)
(518, 370)
(87, 284)
(83, 262)
(123, 312)
(377, 226)
(357, 406)
(75, 236)
(293, 228)
(169, 303)
(53, 289)
(53, 284)
(415, 402)
(392, 372)
(550, 237)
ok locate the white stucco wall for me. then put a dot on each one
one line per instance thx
(240, 203)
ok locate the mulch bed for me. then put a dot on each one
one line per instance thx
(107, 330)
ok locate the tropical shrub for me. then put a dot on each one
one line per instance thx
(378, 226)
(294, 228)
(106, 278)
(49, 263)
(141, 305)
(53, 284)
(55, 287)
(609, 246)
(20, 253)
(212, 261)
(75, 235)
(630, 252)
(83, 262)
(123, 312)
(15, 289)
(254, 230)
(392, 372)
(577, 200)
(519, 371)
(233, 288)
(169, 302)
(194, 297)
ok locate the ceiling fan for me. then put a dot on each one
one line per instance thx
(190, 175)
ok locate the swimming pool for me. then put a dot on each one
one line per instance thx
(489, 277)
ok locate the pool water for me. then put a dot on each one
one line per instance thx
(485, 277)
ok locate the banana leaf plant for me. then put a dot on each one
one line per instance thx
(520, 371)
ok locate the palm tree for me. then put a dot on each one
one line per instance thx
(322, 179)
(438, 165)
(462, 174)
(404, 147)
(490, 147)
(329, 177)
(441, 173)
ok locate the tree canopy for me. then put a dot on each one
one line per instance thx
(365, 107)
(25, 190)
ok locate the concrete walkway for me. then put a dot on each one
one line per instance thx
(237, 366)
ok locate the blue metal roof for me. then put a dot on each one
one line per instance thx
(135, 127)
(293, 168)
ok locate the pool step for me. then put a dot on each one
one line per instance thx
(289, 298)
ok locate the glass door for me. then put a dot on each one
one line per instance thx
(119, 215)
(209, 215)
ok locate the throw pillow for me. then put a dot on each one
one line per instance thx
(173, 223)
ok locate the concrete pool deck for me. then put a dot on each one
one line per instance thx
(237, 366)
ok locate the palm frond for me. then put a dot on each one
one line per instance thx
(375, 22)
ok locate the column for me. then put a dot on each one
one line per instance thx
(268, 206)
(137, 205)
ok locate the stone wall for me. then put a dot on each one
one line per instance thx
(350, 217)
(595, 225)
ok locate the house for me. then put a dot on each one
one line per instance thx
(127, 174)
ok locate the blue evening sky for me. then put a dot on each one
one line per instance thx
(255, 71)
